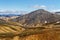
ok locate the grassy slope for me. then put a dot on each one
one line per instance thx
(10, 28)
(30, 34)
(46, 34)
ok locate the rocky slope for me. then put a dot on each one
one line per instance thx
(37, 18)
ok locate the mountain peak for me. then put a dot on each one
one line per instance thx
(39, 11)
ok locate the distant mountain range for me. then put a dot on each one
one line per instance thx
(57, 13)
(37, 17)
(9, 15)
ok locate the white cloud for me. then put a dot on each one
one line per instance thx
(23, 12)
(39, 6)
(12, 12)
(8, 11)
(57, 10)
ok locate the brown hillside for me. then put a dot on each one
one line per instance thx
(48, 34)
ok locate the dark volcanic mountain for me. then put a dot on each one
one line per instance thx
(35, 18)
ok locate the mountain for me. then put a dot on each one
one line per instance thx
(57, 13)
(9, 15)
(36, 18)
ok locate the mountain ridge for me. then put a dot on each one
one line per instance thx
(36, 18)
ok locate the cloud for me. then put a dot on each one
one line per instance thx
(39, 6)
(57, 10)
(23, 12)
(12, 12)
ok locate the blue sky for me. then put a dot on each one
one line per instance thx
(29, 5)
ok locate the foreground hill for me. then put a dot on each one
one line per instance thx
(33, 34)
(46, 34)
(9, 28)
